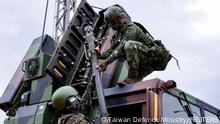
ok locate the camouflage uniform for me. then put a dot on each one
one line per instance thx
(132, 44)
(87, 96)
(66, 100)
(77, 116)
(73, 118)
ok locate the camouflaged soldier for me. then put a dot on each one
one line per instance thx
(142, 52)
(66, 101)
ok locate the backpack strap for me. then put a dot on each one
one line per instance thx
(177, 62)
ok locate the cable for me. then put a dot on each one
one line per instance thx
(54, 19)
(97, 7)
(45, 18)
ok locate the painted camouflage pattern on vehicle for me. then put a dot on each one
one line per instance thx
(33, 114)
(16, 80)
(29, 103)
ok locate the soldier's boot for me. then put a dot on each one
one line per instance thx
(132, 78)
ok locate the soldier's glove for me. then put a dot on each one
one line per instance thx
(98, 54)
(102, 66)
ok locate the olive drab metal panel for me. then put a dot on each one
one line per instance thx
(41, 90)
(33, 114)
(70, 52)
(17, 80)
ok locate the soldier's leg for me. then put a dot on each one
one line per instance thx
(132, 53)
(131, 50)
(145, 62)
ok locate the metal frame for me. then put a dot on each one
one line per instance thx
(199, 103)
(138, 93)
(144, 93)
(62, 16)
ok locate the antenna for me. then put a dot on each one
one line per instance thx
(62, 16)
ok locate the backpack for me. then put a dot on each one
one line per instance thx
(159, 56)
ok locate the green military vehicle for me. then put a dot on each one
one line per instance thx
(49, 65)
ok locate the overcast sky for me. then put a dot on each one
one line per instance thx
(190, 29)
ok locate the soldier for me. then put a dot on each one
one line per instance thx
(66, 101)
(129, 42)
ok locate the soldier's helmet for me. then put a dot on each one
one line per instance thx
(112, 13)
(62, 97)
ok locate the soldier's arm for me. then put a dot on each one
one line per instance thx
(86, 97)
(105, 54)
(117, 52)
(130, 33)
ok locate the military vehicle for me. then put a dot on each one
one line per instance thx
(49, 65)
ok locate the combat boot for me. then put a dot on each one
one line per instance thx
(132, 78)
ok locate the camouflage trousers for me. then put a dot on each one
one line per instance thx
(74, 118)
(136, 55)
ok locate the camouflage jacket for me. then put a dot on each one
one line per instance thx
(129, 31)
(74, 118)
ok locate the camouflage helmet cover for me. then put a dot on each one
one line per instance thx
(61, 95)
(112, 13)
